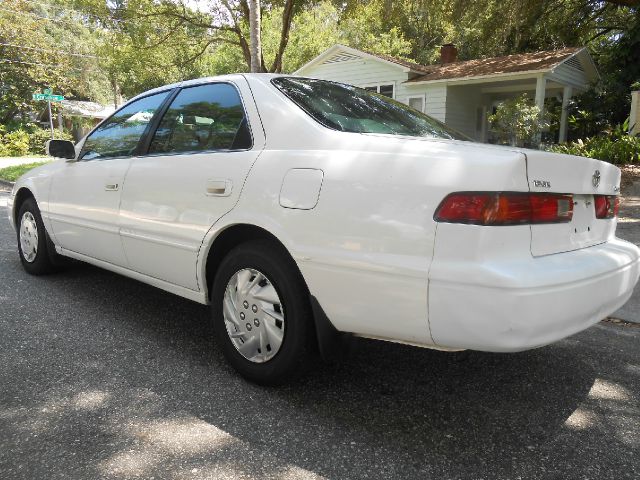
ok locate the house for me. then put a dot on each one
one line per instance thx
(77, 116)
(462, 93)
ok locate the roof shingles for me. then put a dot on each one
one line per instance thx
(522, 62)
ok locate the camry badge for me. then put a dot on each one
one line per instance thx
(542, 183)
(596, 178)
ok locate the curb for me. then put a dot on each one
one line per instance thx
(4, 185)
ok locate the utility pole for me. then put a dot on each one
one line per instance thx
(254, 36)
(50, 118)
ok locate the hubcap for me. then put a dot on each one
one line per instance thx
(251, 295)
(28, 237)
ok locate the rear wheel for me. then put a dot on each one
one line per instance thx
(37, 252)
(261, 313)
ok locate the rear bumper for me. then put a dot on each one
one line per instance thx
(530, 303)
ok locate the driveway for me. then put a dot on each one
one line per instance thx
(104, 377)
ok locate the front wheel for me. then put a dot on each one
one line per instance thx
(37, 252)
(261, 313)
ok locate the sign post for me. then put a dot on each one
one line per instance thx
(49, 97)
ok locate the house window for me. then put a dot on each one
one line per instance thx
(417, 103)
(386, 90)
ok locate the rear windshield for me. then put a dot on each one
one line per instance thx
(352, 109)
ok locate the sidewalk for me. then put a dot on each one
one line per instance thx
(11, 161)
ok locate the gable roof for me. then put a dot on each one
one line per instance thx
(341, 52)
(482, 67)
(518, 63)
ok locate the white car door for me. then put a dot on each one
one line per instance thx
(192, 174)
(85, 194)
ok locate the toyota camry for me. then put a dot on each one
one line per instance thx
(307, 212)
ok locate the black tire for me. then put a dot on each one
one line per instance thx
(46, 259)
(297, 345)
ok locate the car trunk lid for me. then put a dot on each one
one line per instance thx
(583, 178)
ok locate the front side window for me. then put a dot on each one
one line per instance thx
(120, 134)
(201, 118)
(352, 109)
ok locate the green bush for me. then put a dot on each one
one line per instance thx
(13, 144)
(26, 139)
(518, 122)
(614, 147)
(39, 136)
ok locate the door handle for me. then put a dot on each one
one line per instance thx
(111, 187)
(219, 188)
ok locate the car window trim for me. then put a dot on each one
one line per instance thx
(145, 151)
(135, 150)
(145, 140)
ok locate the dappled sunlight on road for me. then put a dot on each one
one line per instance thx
(580, 419)
(605, 390)
(149, 445)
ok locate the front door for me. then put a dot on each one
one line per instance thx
(85, 195)
(191, 176)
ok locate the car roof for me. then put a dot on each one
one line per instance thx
(198, 81)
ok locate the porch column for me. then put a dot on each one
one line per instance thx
(541, 87)
(566, 96)
(634, 115)
(485, 124)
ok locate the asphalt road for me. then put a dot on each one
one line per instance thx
(104, 377)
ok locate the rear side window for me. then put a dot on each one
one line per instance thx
(201, 118)
(352, 109)
(119, 135)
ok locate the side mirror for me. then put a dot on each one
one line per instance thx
(61, 149)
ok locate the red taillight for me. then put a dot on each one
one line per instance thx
(505, 208)
(607, 206)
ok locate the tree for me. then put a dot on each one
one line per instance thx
(254, 27)
(43, 45)
(225, 22)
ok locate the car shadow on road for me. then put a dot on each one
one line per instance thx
(165, 403)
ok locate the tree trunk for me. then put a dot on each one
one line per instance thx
(254, 35)
(287, 15)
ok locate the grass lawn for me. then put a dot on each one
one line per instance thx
(11, 174)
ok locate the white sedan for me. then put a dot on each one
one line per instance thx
(306, 212)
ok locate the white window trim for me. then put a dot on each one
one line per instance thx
(422, 96)
(380, 84)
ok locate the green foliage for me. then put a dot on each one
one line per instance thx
(21, 140)
(613, 146)
(38, 39)
(11, 174)
(322, 25)
(618, 57)
(39, 136)
(518, 122)
(14, 143)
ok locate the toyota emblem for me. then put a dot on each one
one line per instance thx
(596, 178)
